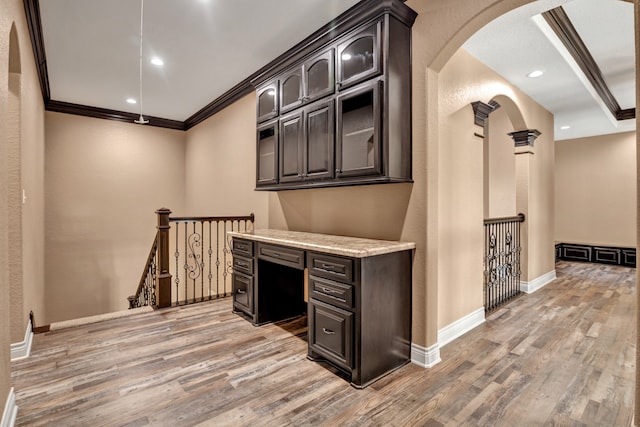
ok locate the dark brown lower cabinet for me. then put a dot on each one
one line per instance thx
(330, 333)
(358, 308)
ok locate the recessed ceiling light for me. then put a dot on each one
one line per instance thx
(565, 127)
(536, 73)
(157, 61)
(131, 101)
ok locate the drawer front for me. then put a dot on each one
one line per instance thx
(243, 293)
(286, 256)
(338, 294)
(242, 247)
(331, 333)
(243, 265)
(331, 267)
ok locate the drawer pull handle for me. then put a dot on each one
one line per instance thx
(328, 331)
(329, 267)
(330, 291)
(240, 291)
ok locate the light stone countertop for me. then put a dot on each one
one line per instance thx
(338, 245)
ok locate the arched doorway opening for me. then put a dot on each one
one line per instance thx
(14, 188)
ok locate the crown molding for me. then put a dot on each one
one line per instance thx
(362, 11)
(104, 113)
(559, 22)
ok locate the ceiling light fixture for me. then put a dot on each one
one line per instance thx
(534, 74)
(157, 61)
(141, 120)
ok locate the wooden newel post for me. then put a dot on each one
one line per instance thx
(163, 279)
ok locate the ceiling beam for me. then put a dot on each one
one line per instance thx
(559, 22)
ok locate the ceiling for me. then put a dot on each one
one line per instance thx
(209, 46)
(520, 42)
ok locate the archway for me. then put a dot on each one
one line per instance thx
(14, 189)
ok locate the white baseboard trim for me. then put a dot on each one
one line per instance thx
(425, 357)
(538, 282)
(10, 411)
(21, 350)
(460, 327)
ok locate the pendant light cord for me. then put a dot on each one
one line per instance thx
(141, 120)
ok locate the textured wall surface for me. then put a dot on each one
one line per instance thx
(596, 190)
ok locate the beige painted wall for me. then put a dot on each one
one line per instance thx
(25, 154)
(461, 180)
(221, 159)
(500, 167)
(596, 190)
(105, 180)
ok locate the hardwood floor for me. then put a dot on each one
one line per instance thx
(564, 355)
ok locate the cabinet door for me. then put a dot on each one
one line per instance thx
(319, 76)
(320, 130)
(267, 105)
(291, 138)
(331, 332)
(359, 57)
(243, 292)
(358, 137)
(267, 149)
(291, 92)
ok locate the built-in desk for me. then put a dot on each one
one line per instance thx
(357, 293)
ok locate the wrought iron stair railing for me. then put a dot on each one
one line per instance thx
(501, 260)
(190, 260)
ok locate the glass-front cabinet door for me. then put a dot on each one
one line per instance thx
(358, 135)
(319, 129)
(267, 149)
(267, 106)
(319, 76)
(359, 57)
(291, 139)
(291, 90)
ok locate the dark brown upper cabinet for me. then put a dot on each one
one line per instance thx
(291, 140)
(307, 143)
(267, 105)
(358, 136)
(267, 154)
(343, 105)
(359, 56)
(307, 82)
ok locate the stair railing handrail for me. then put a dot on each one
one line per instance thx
(155, 286)
(149, 268)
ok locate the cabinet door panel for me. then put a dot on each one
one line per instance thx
(267, 106)
(320, 131)
(331, 332)
(291, 90)
(358, 143)
(267, 150)
(319, 76)
(291, 137)
(359, 57)
(243, 292)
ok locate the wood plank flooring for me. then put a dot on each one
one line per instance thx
(563, 356)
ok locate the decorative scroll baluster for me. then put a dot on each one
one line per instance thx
(502, 260)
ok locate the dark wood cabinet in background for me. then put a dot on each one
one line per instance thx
(361, 75)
